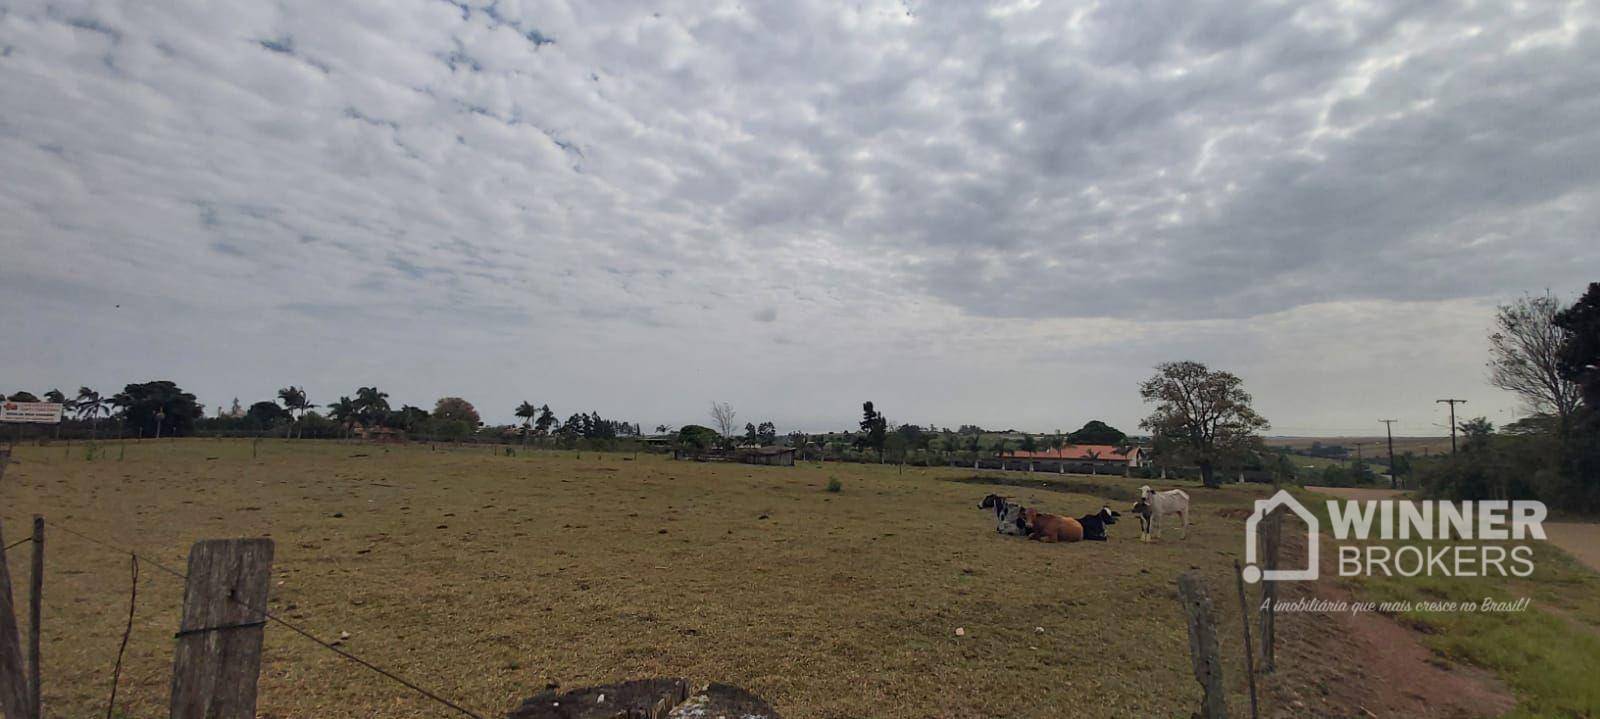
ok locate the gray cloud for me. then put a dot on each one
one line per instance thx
(1101, 185)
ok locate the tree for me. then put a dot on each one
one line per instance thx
(90, 406)
(1476, 433)
(527, 412)
(547, 419)
(344, 412)
(56, 396)
(1579, 360)
(1029, 444)
(722, 414)
(1525, 352)
(264, 415)
(1096, 432)
(23, 396)
(410, 419)
(874, 428)
(1206, 414)
(372, 406)
(663, 429)
(158, 407)
(295, 401)
(456, 409)
(694, 436)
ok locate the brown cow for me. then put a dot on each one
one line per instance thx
(1052, 527)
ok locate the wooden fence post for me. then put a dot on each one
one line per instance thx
(1249, 647)
(218, 658)
(13, 678)
(35, 603)
(1203, 645)
(1271, 529)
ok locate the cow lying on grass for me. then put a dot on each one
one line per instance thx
(1153, 505)
(1094, 525)
(1051, 527)
(1007, 514)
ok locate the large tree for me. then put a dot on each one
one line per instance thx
(722, 414)
(1579, 359)
(545, 422)
(874, 428)
(409, 418)
(1205, 414)
(158, 408)
(526, 412)
(456, 409)
(67, 405)
(1525, 352)
(296, 402)
(265, 415)
(90, 406)
(344, 412)
(372, 406)
(1096, 432)
(1580, 363)
(694, 436)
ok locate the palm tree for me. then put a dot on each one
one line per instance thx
(295, 400)
(89, 404)
(372, 405)
(55, 395)
(344, 411)
(527, 412)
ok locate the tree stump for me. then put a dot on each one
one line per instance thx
(660, 698)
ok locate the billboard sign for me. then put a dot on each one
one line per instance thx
(34, 412)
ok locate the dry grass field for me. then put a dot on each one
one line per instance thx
(488, 578)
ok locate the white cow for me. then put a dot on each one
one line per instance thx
(1154, 505)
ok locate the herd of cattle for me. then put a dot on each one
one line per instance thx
(1151, 509)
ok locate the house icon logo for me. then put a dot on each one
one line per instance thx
(1254, 573)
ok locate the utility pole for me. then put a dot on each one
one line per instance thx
(1394, 477)
(1452, 403)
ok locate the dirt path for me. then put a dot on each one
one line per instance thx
(1579, 539)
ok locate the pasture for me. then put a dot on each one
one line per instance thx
(489, 577)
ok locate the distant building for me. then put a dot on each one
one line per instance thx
(776, 456)
(379, 434)
(1074, 458)
(1103, 455)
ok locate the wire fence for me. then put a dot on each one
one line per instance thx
(136, 559)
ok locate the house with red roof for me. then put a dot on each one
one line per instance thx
(1105, 455)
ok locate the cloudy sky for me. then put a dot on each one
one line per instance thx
(1003, 216)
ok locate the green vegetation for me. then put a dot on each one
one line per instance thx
(1096, 432)
(1549, 654)
(1201, 416)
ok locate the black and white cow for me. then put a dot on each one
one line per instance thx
(1094, 525)
(1007, 515)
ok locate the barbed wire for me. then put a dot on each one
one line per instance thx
(133, 599)
(270, 617)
